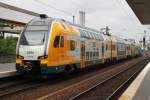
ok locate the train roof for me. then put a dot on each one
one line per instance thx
(50, 19)
(85, 31)
(41, 21)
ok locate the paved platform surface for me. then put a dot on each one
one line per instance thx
(140, 87)
(7, 69)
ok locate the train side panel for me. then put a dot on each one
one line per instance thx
(64, 49)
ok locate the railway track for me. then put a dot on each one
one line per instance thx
(64, 88)
(76, 90)
(111, 88)
(12, 86)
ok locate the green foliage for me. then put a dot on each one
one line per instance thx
(8, 46)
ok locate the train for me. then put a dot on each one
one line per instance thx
(51, 46)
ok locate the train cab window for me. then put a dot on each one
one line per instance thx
(62, 41)
(72, 45)
(56, 41)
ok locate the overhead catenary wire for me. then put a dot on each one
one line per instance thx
(60, 10)
(50, 6)
(80, 6)
(128, 15)
(125, 12)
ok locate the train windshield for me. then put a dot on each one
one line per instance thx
(34, 35)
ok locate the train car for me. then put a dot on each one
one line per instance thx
(107, 48)
(91, 41)
(128, 49)
(49, 46)
(110, 49)
(137, 49)
(114, 48)
(121, 49)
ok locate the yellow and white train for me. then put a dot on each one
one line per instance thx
(48, 46)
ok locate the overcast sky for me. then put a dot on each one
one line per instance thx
(99, 13)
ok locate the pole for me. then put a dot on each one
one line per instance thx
(144, 40)
(73, 19)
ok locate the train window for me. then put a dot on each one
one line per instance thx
(94, 35)
(128, 47)
(72, 45)
(90, 35)
(91, 55)
(103, 49)
(97, 54)
(87, 55)
(63, 25)
(56, 41)
(86, 34)
(106, 47)
(97, 37)
(113, 47)
(62, 41)
(100, 37)
(94, 44)
(37, 28)
(82, 33)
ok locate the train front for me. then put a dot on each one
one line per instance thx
(32, 46)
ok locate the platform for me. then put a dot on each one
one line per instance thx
(7, 69)
(140, 87)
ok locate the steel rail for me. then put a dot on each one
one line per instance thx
(103, 82)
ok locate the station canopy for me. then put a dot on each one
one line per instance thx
(142, 10)
(12, 14)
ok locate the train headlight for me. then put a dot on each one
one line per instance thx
(43, 57)
(20, 57)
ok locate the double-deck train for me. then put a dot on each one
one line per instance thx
(49, 46)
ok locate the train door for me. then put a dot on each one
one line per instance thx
(82, 55)
(102, 50)
(56, 50)
(62, 53)
(111, 50)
